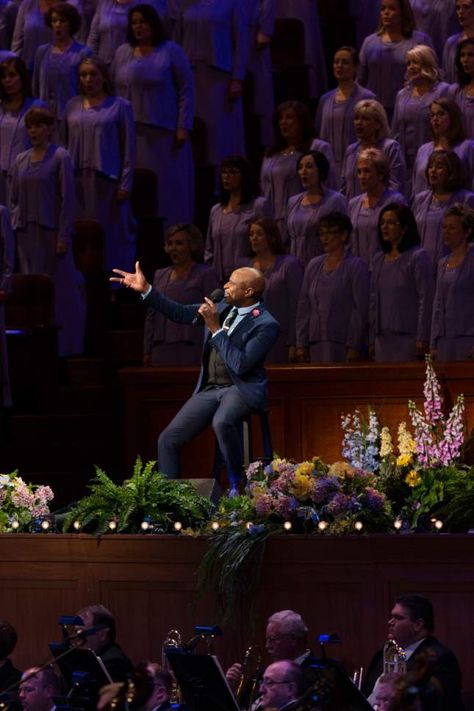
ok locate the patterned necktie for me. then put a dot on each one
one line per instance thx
(230, 318)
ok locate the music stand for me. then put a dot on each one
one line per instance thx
(77, 659)
(332, 687)
(202, 682)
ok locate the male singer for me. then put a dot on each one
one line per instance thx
(238, 335)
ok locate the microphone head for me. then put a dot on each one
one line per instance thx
(217, 295)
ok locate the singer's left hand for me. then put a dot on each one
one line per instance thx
(208, 311)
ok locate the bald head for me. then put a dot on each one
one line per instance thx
(245, 287)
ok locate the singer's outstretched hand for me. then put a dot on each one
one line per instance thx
(208, 311)
(136, 281)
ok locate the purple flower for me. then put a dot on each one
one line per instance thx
(323, 488)
(339, 504)
(263, 505)
(284, 505)
(374, 499)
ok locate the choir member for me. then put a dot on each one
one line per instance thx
(446, 181)
(305, 209)
(452, 329)
(382, 56)
(465, 16)
(42, 200)
(155, 76)
(283, 279)
(227, 238)
(364, 209)
(333, 303)
(100, 137)
(335, 114)
(186, 281)
(437, 19)
(372, 131)
(463, 91)
(401, 289)
(411, 119)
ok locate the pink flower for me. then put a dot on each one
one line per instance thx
(255, 313)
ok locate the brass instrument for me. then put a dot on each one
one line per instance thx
(172, 641)
(394, 658)
(251, 668)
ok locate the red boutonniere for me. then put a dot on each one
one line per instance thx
(255, 313)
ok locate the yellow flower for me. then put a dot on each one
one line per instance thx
(413, 478)
(403, 460)
(406, 443)
(386, 447)
(276, 463)
(341, 470)
(304, 468)
(301, 486)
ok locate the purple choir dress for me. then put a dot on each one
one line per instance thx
(8, 13)
(279, 181)
(333, 309)
(302, 223)
(56, 75)
(411, 120)
(466, 104)
(449, 57)
(350, 185)
(464, 150)
(452, 328)
(332, 181)
(227, 239)
(13, 140)
(260, 16)
(307, 12)
(364, 241)
(101, 142)
(42, 199)
(437, 18)
(401, 300)
(160, 89)
(7, 256)
(109, 25)
(171, 343)
(335, 122)
(383, 65)
(282, 289)
(31, 30)
(215, 38)
(429, 214)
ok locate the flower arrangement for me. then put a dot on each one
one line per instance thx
(21, 503)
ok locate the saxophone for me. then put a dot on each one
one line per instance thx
(394, 658)
(173, 641)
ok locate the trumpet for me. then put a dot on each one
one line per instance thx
(251, 668)
(394, 658)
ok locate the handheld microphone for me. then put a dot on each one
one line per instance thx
(216, 296)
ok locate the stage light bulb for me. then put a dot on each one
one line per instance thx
(249, 525)
(322, 525)
(76, 525)
(178, 526)
(15, 525)
(145, 525)
(215, 525)
(397, 524)
(287, 526)
(438, 524)
(112, 525)
(358, 525)
(45, 525)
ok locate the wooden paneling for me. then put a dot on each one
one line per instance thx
(344, 585)
(305, 403)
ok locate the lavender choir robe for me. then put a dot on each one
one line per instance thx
(335, 122)
(401, 300)
(350, 185)
(260, 17)
(31, 30)
(7, 257)
(56, 75)
(364, 240)
(214, 36)
(429, 215)
(160, 89)
(302, 222)
(101, 142)
(278, 182)
(227, 239)
(42, 199)
(325, 148)
(449, 57)
(333, 309)
(452, 328)
(307, 12)
(13, 140)
(437, 18)
(171, 343)
(8, 13)
(366, 15)
(411, 120)
(464, 150)
(109, 25)
(383, 65)
(466, 104)
(282, 289)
